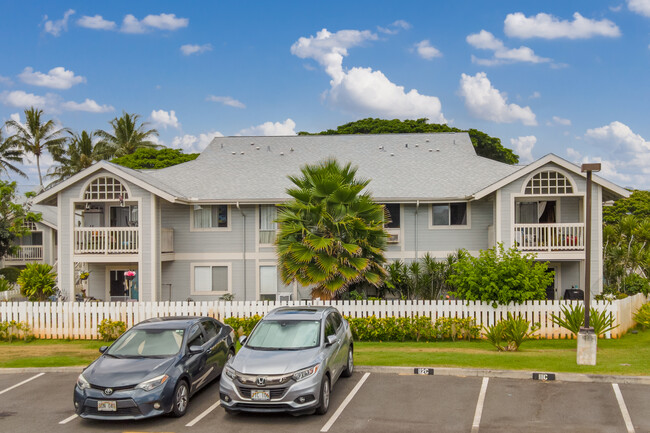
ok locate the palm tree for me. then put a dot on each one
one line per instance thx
(330, 235)
(80, 154)
(10, 152)
(36, 137)
(126, 137)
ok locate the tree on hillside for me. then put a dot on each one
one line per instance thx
(331, 234)
(80, 154)
(126, 137)
(146, 158)
(10, 153)
(486, 146)
(13, 218)
(36, 137)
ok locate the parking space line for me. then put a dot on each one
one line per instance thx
(203, 414)
(347, 400)
(621, 405)
(479, 405)
(21, 383)
(68, 419)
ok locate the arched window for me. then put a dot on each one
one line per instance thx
(548, 182)
(106, 188)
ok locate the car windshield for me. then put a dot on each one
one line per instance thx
(144, 343)
(285, 335)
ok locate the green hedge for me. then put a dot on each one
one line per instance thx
(419, 328)
(242, 326)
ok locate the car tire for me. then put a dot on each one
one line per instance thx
(325, 390)
(181, 399)
(349, 367)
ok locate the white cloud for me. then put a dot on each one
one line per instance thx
(195, 49)
(362, 90)
(21, 99)
(641, 7)
(573, 154)
(226, 100)
(96, 22)
(485, 102)
(88, 105)
(16, 118)
(192, 144)
(56, 27)
(56, 78)
(165, 118)
(485, 40)
(6, 80)
(547, 26)
(270, 128)
(130, 24)
(523, 147)
(616, 8)
(394, 27)
(426, 50)
(559, 121)
(535, 95)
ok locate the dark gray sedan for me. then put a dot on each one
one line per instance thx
(290, 362)
(154, 368)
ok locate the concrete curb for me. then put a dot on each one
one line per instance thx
(42, 370)
(510, 374)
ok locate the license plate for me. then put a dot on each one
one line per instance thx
(106, 406)
(260, 395)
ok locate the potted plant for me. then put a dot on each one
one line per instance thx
(129, 275)
(84, 275)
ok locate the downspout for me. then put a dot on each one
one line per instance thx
(417, 206)
(244, 245)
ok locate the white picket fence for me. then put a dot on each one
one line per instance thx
(79, 320)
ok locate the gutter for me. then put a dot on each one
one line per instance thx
(244, 243)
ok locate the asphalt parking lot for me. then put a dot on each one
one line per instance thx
(377, 402)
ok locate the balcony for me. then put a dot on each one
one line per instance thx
(550, 237)
(26, 253)
(106, 240)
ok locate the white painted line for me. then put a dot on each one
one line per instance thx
(347, 400)
(68, 419)
(479, 405)
(203, 415)
(21, 383)
(624, 412)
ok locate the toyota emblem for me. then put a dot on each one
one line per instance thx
(261, 381)
(108, 391)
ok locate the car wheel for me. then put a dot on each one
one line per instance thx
(181, 399)
(349, 368)
(324, 397)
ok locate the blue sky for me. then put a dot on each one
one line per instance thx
(564, 77)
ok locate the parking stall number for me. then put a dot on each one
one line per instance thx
(424, 371)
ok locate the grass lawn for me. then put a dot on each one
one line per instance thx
(628, 355)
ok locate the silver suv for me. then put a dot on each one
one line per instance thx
(289, 363)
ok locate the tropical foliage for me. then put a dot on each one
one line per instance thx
(80, 154)
(489, 147)
(331, 233)
(10, 153)
(147, 158)
(572, 318)
(426, 278)
(126, 137)
(499, 276)
(642, 316)
(627, 255)
(13, 218)
(37, 281)
(637, 204)
(510, 333)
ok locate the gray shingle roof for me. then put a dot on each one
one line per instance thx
(400, 166)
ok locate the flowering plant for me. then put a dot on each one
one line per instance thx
(129, 274)
(84, 275)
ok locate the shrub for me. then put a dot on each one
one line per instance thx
(5, 284)
(418, 328)
(15, 330)
(242, 325)
(10, 273)
(510, 333)
(635, 283)
(455, 328)
(109, 330)
(499, 276)
(642, 316)
(573, 318)
(37, 281)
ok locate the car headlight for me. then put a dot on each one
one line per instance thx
(150, 384)
(82, 383)
(230, 372)
(307, 372)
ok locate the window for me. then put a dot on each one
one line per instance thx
(268, 283)
(548, 182)
(196, 337)
(210, 279)
(449, 214)
(105, 188)
(34, 238)
(210, 329)
(392, 216)
(330, 326)
(268, 226)
(209, 217)
(337, 320)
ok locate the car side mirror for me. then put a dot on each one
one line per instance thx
(331, 340)
(103, 349)
(242, 339)
(195, 350)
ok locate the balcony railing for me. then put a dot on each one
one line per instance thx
(26, 253)
(106, 240)
(550, 237)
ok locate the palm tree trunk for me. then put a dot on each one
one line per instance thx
(38, 167)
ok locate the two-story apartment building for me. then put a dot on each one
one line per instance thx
(205, 228)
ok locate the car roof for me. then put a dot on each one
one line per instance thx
(306, 312)
(172, 322)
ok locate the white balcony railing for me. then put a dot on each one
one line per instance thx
(550, 237)
(26, 253)
(106, 240)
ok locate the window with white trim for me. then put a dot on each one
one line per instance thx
(271, 287)
(211, 278)
(105, 188)
(210, 216)
(268, 226)
(449, 214)
(548, 182)
(392, 216)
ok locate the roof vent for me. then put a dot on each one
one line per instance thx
(234, 153)
(291, 149)
(281, 153)
(252, 143)
(406, 145)
(257, 148)
(392, 154)
(242, 152)
(430, 150)
(454, 141)
(417, 145)
(381, 147)
(222, 145)
(427, 140)
(437, 150)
